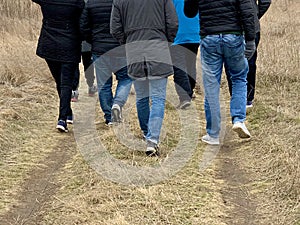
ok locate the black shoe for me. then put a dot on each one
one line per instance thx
(62, 126)
(152, 149)
(70, 119)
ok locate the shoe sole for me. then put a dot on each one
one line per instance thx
(74, 100)
(210, 143)
(184, 105)
(152, 152)
(62, 129)
(116, 116)
(241, 133)
(70, 121)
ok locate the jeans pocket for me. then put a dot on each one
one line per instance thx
(234, 46)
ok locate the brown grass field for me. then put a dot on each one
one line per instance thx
(45, 177)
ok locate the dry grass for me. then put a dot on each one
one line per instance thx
(29, 103)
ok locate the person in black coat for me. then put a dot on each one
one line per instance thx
(60, 45)
(108, 58)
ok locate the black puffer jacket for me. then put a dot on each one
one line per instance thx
(60, 38)
(261, 7)
(223, 16)
(94, 24)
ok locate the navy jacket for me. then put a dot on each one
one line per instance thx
(94, 25)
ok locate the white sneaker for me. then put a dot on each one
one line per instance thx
(241, 129)
(210, 140)
(116, 113)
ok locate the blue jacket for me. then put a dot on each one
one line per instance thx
(189, 28)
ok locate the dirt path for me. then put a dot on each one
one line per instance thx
(235, 192)
(41, 185)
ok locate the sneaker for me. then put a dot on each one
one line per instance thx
(92, 90)
(152, 149)
(62, 126)
(108, 123)
(210, 140)
(241, 129)
(70, 119)
(75, 95)
(184, 104)
(249, 104)
(116, 113)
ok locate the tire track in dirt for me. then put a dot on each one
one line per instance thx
(235, 192)
(40, 185)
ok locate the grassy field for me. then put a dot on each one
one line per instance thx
(46, 178)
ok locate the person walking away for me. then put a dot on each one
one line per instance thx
(147, 27)
(86, 57)
(184, 53)
(95, 23)
(222, 25)
(59, 44)
(261, 7)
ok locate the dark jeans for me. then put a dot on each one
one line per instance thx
(88, 66)
(184, 63)
(63, 74)
(251, 76)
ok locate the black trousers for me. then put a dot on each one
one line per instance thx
(63, 74)
(88, 67)
(251, 76)
(184, 58)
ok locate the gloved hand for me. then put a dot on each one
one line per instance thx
(250, 49)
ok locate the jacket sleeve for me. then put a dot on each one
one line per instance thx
(263, 6)
(116, 25)
(247, 13)
(191, 8)
(85, 26)
(171, 20)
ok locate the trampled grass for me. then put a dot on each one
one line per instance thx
(28, 111)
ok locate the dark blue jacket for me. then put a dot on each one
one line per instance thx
(94, 25)
(60, 38)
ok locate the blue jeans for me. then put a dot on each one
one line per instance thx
(151, 119)
(106, 65)
(217, 50)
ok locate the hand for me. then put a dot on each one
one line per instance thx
(250, 49)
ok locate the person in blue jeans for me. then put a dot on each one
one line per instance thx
(184, 54)
(223, 24)
(108, 58)
(110, 104)
(147, 27)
